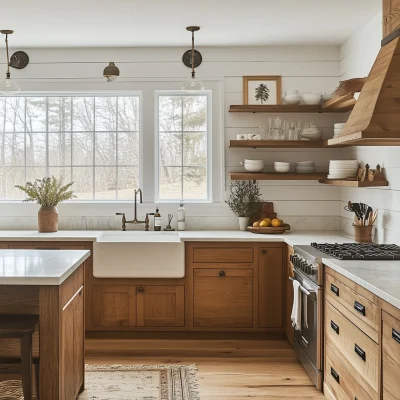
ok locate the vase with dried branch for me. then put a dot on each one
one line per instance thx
(48, 193)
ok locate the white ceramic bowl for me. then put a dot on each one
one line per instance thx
(311, 134)
(254, 161)
(294, 98)
(327, 96)
(311, 98)
(282, 168)
(253, 167)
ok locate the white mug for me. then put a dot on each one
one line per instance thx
(241, 136)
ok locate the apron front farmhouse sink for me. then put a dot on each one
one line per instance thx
(139, 255)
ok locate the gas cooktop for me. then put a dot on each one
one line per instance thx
(360, 251)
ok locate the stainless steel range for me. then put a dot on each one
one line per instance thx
(308, 271)
(308, 343)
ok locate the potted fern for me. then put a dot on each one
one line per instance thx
(48, 193)
(243, 199)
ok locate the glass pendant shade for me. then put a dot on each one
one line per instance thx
(193, 84)
(9, 86)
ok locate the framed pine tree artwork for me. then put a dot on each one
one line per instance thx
(262, 90)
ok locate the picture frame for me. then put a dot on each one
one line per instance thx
(262, 90)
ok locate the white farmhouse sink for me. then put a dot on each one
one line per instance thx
(138, 255)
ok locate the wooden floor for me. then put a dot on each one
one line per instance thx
(228, 369)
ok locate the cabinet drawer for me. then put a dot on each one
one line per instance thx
(390, 356)
(357, 304)
(340, 381)
(359, 351)
(223, 298)
(223, 255)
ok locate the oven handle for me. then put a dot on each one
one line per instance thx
(303, 289)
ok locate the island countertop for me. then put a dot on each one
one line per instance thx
(39, 267)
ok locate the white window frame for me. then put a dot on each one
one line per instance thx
(182, 93)
(93, 93)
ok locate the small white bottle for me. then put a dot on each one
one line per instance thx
(181, 217)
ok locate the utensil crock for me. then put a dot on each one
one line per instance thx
(363, 234)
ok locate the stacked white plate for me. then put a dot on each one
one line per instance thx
(305, 167)
(337, 129)
(342, 169)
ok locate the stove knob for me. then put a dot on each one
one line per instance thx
(314, 270)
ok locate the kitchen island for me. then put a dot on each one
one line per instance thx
(50, 284)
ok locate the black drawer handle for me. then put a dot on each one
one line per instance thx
(140, 289)
(396, 335)
(264, 251)
(359, 308)
(335, 289)
(335, 375)
(335, 327)
(360, 352)
(222, 273)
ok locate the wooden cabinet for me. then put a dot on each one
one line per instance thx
(289, 297)
(72, 346)
(223, 298)
(124, 306)
(159, 306)
(391, 16)
(270, 281)
(114, 306)
(390, 357)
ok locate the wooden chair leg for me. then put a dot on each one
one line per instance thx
(37, 380)
(26, 366)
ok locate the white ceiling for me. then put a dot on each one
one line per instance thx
(120, 23)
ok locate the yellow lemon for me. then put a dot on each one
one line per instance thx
(267, 220)
(276, 222)
(255, 224)
(264, 224)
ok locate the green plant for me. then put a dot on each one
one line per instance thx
(262, 93)
(47, 192)
(243, 197)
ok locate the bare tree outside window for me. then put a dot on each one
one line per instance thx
(183, 137)
(93, 141)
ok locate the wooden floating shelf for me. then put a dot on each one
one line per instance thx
(288, 108)
(346, 183)
(277, 176)
(260, 144)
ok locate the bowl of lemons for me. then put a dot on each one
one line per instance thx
(269, 226)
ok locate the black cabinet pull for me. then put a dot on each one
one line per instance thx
(264, 251)
(335, 289)
(360, 352)
(359, 308)
(335, 327)
(396, 335)
(140, 289)
(222, 273)
(335, 375)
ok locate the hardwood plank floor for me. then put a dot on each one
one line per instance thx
(228, 369)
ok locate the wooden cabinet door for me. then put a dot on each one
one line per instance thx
(270, 272)
(114, 306)
(390, 357)
(223, 298)
(160, 306)
(72, 347)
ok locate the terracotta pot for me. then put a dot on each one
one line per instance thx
(48, 219)
(363, 234)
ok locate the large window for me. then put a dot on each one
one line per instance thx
(183, 147)
(91, 140)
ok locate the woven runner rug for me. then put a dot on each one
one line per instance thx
(140, 382)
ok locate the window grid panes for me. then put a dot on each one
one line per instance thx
(183, 136)
(91, 140)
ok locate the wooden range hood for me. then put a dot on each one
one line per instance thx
(375, 119)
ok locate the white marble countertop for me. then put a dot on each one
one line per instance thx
(39, 267)
(291, 238)
(379, 277)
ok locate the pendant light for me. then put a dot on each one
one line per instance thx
(8, 85)
(111, 72)
(193, 84)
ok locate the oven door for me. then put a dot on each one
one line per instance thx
(308, 342)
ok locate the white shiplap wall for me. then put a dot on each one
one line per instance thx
(357, 57)
(305, 205)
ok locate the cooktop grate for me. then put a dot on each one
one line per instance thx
(359, 251)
